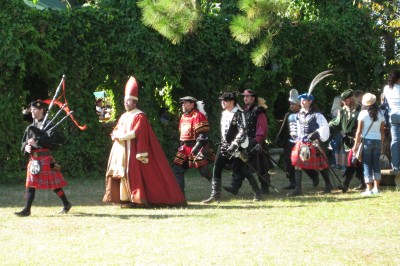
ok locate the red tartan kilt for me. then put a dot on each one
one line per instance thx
(316, 160)
(47, 178)
(184, 154)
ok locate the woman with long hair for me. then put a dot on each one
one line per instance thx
(371, 130)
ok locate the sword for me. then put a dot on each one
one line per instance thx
(315, 143)
(255, 171)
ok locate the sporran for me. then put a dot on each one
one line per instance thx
(34, 167)
(305, 153)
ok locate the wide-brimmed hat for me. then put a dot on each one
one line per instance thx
(346, 94)
(249, 92)
(187, 99)
(227, 96)
(368, 99)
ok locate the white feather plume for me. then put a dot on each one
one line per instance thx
(200, 107)
(318, 78)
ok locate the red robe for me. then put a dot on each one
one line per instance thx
(145, 183)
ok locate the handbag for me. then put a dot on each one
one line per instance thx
(359, 147)
(384, 162)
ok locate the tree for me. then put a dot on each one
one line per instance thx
(387, 17)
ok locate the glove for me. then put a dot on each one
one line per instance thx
(196, 149)
(224, 151)
(313, 136)
(232, 148)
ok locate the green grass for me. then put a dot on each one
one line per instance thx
(338, 229)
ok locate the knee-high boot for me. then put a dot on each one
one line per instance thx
(348, 174)
(215, 191)
(328, 184)
(236, 184)
(254, 185)
(297, 183)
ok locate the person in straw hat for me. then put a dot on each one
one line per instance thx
(138, 172)
(371, 128)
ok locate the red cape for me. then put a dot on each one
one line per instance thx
(149, 183)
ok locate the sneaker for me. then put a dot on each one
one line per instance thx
(367, 193)
(375, 192)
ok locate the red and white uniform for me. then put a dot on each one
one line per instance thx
(191, 126)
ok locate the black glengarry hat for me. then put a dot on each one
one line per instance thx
(38, 104)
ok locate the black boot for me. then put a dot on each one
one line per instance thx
(291, 183)
(254, 185)
(297, 180)
(346, 183)
(314, 177)
(231, 190)
(236, 184)
(30, 196)
(265, 180)
(215, 191)
(328, 184)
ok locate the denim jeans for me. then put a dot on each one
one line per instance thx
(371, 154)
(395, 145)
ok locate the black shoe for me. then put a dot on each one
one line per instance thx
(66, 208)
(315, 181)
(343, 188)
(23, 213)
(289, 187)
(295, 193)
(327, 190)
(231, 190)
(361, 187)
(210, 200)
(265, 190)
(129, 205)
(257, 197)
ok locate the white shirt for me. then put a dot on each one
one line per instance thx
(393, 98)
(226, 120)
(375, 131)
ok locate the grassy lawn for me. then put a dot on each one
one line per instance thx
(338, 229)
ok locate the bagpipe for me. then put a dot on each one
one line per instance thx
(61, 101)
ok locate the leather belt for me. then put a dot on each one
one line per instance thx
(190, 143)
(40, 153)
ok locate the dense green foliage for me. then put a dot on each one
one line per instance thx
(99, 47)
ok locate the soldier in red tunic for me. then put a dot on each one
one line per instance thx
(42, 170)
(193, 128)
